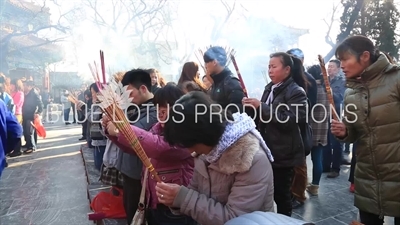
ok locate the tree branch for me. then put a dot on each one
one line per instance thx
(348, 29)
(35, 46)
(329, 24)
(8, 37)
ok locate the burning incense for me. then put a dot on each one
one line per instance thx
(103, 67)
(113, 99)
(327, 87)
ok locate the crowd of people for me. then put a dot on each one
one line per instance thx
(218, 165)
(26, 103)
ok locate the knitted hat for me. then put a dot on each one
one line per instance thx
(296, 52)
(216, 53)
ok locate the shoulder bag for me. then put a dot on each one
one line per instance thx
(140, 218)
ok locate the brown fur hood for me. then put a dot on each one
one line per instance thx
(239, 157)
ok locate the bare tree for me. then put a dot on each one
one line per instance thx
(221, 22)
(351, 12)
(143, 22)
(330, 22)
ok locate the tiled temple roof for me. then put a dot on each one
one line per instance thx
(28, 6)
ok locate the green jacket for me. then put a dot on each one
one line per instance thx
(377, 129)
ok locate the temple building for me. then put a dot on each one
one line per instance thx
(22, 52)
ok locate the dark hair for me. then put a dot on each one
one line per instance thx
(190, 86)
(19, 86)
(194, 127)
(336, 61)
(315, 71)
(189, 73)
(95, 87)
(137, 78)
(296, 68)
(87, 93)
(29, 83)
(167, 95)
(357, 45)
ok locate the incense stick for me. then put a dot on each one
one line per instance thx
(327, 87)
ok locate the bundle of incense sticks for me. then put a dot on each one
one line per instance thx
(103, 67)
(327, 87)
(112, 105)
(95, 72)
(238, 73)
(118, 76)
(72, 98)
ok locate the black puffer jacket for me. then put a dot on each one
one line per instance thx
(226, 90)
(279, 125)
(32, 105)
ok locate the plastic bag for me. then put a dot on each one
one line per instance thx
(108, 205)
(37, 124)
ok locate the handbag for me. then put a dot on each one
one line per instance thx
(96, 132)
(140, 218)
(95, 128)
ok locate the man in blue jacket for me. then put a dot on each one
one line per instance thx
(10, 133)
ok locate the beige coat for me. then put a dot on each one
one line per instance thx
(240, 182)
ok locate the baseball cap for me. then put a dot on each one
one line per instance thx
(216, 53)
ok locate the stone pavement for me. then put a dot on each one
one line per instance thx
(334, 204)
(48, 186)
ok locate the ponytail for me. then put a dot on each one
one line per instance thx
(297, 73)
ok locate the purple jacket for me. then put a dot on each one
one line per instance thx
(173, 164)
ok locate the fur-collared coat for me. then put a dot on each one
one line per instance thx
(240, 182)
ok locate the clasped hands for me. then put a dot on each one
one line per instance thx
(109, 126)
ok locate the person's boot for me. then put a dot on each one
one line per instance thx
(296, 203)
(332, 174)
(312, 189)
(14, 154)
